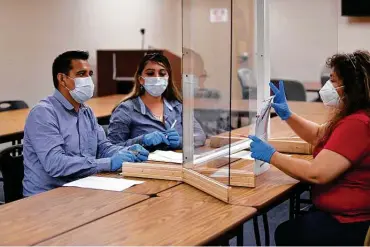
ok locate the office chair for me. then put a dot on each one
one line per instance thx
(9, 105)
(249, 88)
(12, 105)
(11, 166)
(294, 90)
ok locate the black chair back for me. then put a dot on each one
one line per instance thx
(294, 90)
(11, 166)
(12, 105)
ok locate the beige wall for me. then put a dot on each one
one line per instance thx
(34, 32)
(302, 34)
(213, 41)
(210, 40)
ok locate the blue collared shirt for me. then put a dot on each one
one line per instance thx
(131, 120)
(62, 145)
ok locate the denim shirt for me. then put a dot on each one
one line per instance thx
(131, 120)
(62, 145)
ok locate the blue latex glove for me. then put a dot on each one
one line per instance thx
(261, 150)
(155, 138)
(280, 103)
(120, 157)
(140, 152)
(173, 137)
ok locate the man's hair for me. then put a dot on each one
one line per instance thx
(62, 64)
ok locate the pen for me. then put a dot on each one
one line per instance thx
(173, 125)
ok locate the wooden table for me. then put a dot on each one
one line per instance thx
(180, 215)
(103, 106)
(12, 122)
(270, 186)
(46, 215)
(160, 221)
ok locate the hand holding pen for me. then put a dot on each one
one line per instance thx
(173, 136)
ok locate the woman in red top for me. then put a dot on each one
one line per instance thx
(340, 170)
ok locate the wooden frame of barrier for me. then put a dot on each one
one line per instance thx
(292, 145)
(197, 178)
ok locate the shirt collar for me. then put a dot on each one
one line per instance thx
(140, 106)
(62, 100)
(167, 104)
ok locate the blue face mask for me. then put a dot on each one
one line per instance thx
(155, 86)
(84, 89)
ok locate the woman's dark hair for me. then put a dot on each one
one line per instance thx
(171, 93)
(353, 69)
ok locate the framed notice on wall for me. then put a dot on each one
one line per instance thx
(218, 15)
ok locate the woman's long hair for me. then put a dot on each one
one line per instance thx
(354, 71)
(171, 92)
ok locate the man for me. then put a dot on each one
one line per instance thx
(62, 139)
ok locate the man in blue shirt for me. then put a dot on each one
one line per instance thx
(62, 139)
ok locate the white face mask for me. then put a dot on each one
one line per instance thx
(329, 94)
(155, 86)
(84, 89)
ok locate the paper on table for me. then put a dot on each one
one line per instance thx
(103, 183)
(246, 155)
(166, 156)
(261, 132)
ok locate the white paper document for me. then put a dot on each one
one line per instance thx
(261, 132)
(245, 155)
(103, 183)
(166, 156)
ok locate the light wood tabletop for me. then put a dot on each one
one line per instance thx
(160, 221)
(150, 187)
(241, 105)
(40, 217)
(12, 122)
(271, 185)
(103, 106)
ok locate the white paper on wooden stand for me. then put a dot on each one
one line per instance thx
(261, 132)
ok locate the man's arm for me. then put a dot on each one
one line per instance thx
(44, 133)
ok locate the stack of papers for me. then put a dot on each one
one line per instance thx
(103, 183)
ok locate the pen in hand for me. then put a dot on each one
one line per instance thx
(173, 125)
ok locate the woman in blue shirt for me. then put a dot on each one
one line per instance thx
(152, 114)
